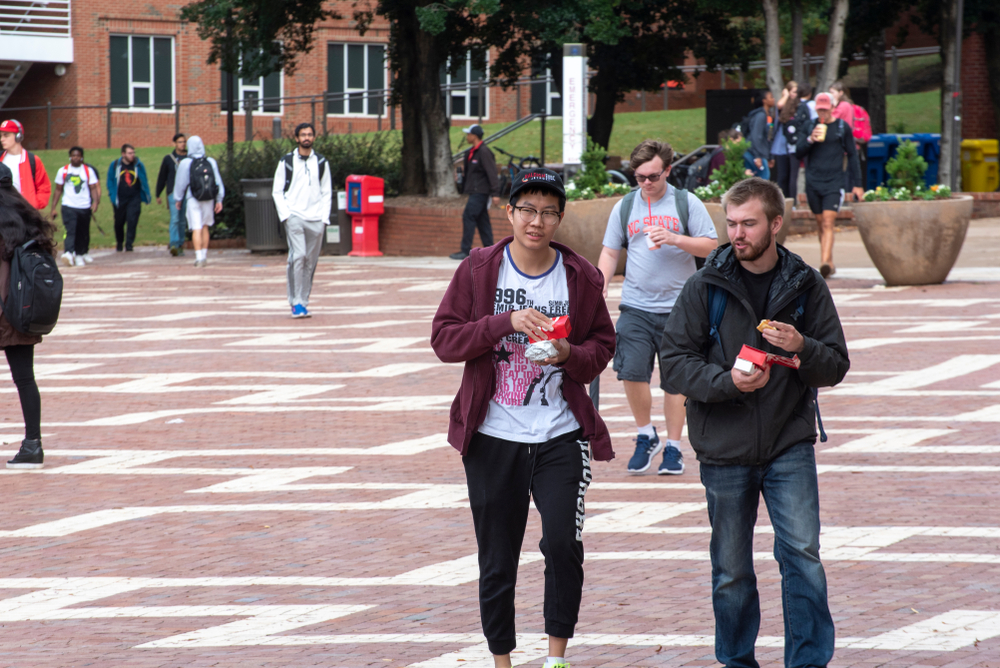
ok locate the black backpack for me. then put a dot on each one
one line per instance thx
(697, 174)
(290, 168)
(203, 186)
(745, 123)
(32, 305)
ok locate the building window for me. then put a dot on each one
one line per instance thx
(356, 72)
(142, 72)
(258, 93)
(465, 100)
(545, 94)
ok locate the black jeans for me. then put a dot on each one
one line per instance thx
(476, 216)
(500, 475)
(21, 360)
(77, 224)
(128, 212)
(787, 174)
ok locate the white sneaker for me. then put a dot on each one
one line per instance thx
(67, 259)
(87, 258)
(79, 262)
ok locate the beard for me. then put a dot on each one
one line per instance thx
(754, 251)
(306, 143)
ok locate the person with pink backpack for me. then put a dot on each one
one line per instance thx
(857, 118)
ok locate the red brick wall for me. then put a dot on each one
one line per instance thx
(426, 231)
(978, 119)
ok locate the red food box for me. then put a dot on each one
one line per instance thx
(763, 359)
(560, 328)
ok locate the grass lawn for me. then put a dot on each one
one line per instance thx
(684, 128)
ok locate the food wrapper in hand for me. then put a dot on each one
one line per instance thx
(540, 350)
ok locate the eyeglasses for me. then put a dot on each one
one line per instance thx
(528, 215)
(652, 178)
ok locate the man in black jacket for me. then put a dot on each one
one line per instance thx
(480, 181)
(827, 145)
(754, 433)
(168, 172)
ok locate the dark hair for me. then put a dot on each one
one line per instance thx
(126, 147)
(21, 222)
(178, 136)
(649, 149)
(302, 126)
(791, 106)
(728, 134)
(805, 90)
(76, 148)
(538, 190)
(768, 192)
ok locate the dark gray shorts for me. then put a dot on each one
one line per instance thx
(637, 342)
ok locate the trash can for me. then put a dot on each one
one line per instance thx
(979, 165)
(930, 150)
(878, 154)
(337, 240)
(263, 229)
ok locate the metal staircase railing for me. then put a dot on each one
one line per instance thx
(11, 74)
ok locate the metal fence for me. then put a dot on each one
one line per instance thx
(250, 104)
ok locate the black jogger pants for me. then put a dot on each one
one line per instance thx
(21, 360)
(500, 475)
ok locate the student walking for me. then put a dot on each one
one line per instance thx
(198, 188)
(165, 180)
(754, 432)
(79, 191)
(480, 182)
(128, 190)
(21, 222)
(664, 229)
(786, 165)
(303, 196)
(526, 430)
(827, 145)
(30, 177)
(760, 133)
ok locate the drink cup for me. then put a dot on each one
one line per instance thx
(821, 131)
(652, 245)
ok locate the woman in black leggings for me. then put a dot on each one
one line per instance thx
(21, 222)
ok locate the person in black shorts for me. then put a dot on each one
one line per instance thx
(829, 151)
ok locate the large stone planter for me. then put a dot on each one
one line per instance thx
(584, 225)
(914, 243)
(719, 220)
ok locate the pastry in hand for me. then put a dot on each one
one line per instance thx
(764, 324)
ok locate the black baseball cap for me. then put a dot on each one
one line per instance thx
(534, 177)
(474, 130)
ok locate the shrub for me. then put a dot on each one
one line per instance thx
(378, 154)
(593, 180)
(726, 176)
(907, 168)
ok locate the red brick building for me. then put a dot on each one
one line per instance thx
(141, 73)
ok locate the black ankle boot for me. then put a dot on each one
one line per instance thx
(30, 456)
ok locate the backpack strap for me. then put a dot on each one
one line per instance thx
(717, 300)
(322, 166)
(626, 209)
(289, 170)
(681, 202)
(31, 162)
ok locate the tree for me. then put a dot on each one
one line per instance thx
(772, 47)
(254, 38)
(834, 45)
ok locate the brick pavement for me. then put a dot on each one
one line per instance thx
(228, 487)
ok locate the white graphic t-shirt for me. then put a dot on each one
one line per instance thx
(528, 404)
(76, 182)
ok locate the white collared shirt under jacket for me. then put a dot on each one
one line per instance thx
(308, 197)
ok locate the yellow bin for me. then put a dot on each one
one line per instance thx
(980, 169)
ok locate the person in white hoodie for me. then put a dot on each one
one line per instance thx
(199, 185)
(303, 197)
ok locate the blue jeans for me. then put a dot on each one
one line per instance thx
(791, 492)
(764, 172)
(177, 223)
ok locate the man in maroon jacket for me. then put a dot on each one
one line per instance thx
(527, 429)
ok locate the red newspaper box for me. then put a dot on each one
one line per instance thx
(365, 203)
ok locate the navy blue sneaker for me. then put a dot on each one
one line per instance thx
(645, 449)
(673, 461)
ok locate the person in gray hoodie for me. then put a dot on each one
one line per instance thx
(753, 433)
(198, 186)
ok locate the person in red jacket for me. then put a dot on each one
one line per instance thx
(30, 177)
(527, 429)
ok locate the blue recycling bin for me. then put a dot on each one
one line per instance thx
(930, 150)
(880, 149)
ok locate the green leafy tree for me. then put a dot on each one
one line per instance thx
(268, 35)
